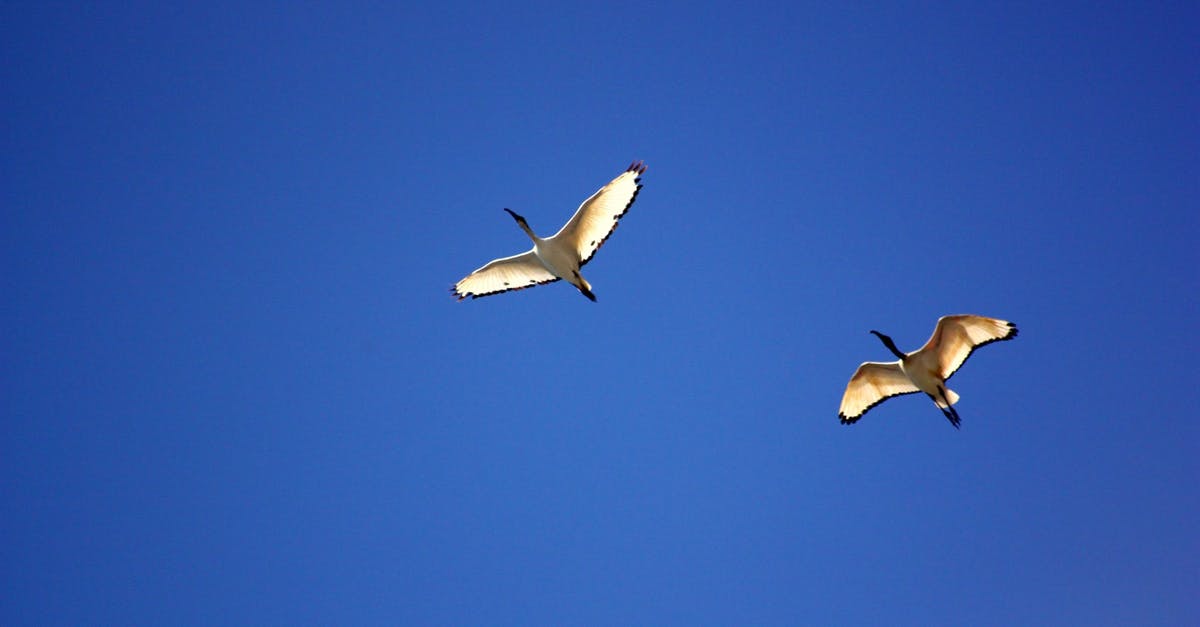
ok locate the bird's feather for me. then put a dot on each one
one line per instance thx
(597, 217)
(504, 275)
(873, 383)
(956, 337)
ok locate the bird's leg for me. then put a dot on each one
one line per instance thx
(948, 411)
(583, 286)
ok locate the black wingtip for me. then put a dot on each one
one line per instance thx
(589, 294)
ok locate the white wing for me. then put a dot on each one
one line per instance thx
(503, 275)
(597, 217)
(872, 384)
(956, 337)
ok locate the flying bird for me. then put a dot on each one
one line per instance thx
(925, 369)
(561, 255)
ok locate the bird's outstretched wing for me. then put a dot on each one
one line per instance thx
(504, 275)
(597, 217)
(873, 383)
(956, 337)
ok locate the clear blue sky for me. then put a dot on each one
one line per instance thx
(236, 391)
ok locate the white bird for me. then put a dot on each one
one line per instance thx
(561, 255)
(923, 370)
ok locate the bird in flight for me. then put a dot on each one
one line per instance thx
(925, 369)
(561, 255)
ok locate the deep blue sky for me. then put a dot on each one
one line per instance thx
(236, 390)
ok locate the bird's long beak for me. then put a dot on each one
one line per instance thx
(516, 217)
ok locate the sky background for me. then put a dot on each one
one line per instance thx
(236, 390)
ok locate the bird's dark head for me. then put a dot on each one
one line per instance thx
(517, 217)
(880, 335)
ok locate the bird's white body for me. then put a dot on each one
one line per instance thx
(561, 255)
(562, 261)
(923, 370)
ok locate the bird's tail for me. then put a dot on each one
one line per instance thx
(951, 397)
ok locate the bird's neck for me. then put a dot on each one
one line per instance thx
(887, 341)
(528, 231)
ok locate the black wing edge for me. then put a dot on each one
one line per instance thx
(849, 420)
(460, 296)
(637, 166)
(1012, 332)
